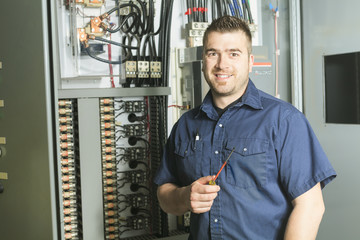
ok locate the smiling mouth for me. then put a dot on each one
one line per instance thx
(223, 76)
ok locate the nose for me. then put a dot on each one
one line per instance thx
(222, 62)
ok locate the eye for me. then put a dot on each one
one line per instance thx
(211, 54)
(234, 54)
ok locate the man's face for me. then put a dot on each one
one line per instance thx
(227, 63)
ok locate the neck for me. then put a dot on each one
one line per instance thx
(222, 102)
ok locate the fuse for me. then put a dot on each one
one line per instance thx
(110, 197)
(107, 117)
(71, 235)
(66, 145)
(109, 181)
(111, 221)
(64, 111)
(109, 189)
(68, 178)
(67, 203)
(107, 125)
(65, 120)
(111, 229)
(69, 194)
(109, 173)
(109, 157)
(109, 213)
(64, 102)
(106, 109)
(70, 211)
(69, 227)
(109, 205)
(107, 133)
(67, 153)
(68, 186)
(68, 170)
(112, 236)
(67, 161)
(107, 141)
(106, 101)
(70, 219)
(109, 165)
(66, 136)
(108, 149)
(65, 128)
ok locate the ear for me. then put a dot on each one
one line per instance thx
(251, 62)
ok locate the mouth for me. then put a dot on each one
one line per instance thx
(223, 76)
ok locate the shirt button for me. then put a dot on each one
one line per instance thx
(245, 149)
(220, 125)
(216, 152)
(216, 220)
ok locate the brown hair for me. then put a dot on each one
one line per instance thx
(229, 24)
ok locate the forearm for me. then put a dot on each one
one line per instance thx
(304, 220)
(172, 199)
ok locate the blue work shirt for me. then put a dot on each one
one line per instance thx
(277, 158)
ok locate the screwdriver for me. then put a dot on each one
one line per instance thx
(212, 182)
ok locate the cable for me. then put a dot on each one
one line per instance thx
(104, 60)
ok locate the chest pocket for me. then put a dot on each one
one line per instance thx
(188, 161)
(247, 165)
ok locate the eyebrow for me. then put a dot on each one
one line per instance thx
(227, 50)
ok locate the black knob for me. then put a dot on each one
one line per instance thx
(1, 188)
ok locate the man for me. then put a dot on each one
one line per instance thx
(271, 185)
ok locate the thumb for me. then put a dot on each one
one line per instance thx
(205, 180)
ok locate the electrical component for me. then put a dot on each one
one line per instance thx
(69, 169)
(195, 32)
(107, 116)
(143, 69)
(129, 130)
(93, 3)
(137, 176)
(136, 222)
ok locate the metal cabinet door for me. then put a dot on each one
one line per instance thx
(332, 27)
(27, 203)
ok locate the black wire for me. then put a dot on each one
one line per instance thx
(114, 43)
(251, 20)
(130, 15)
(213, 10)
(244, 10)
(188, 10)
(104, 60)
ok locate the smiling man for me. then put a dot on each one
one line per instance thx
(271, 185)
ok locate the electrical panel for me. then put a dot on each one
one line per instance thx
(114, 69)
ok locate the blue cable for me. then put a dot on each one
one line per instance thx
(232, 9)
(238, 8)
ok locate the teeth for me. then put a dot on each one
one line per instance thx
(222, 76)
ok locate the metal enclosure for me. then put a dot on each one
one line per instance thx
(328, 30)
(27, 205)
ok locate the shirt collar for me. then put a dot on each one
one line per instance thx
(250, 98)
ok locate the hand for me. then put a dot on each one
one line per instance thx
(201, 195)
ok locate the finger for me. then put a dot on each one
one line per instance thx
(201, 210)
(197, 205)
(202, 197)
(204, 189)
(205, 180)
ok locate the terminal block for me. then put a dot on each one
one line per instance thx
(143, 69)
(131, 69)
(195, 32)
(155, 69)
